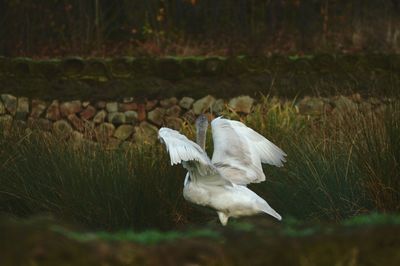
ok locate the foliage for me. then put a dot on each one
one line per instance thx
(373, 219)
(153, 27)
(86, 184)
(339, 165)
(146, 237)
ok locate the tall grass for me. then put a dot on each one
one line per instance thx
(338, 165)
(99, 188)
(378, 156)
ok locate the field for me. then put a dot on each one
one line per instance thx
(340, 165)
(86, 85)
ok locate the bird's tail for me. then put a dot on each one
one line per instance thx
(267, 209)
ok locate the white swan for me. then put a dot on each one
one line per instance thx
(220, 183)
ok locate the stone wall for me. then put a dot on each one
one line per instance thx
(224, 77)
(177, 68)
(138, 121)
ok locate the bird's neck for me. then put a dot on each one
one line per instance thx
(201, 137)
(201, 131)
(187, 179)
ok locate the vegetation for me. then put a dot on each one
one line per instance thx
(365, 240)
(65, 201)
(146, 237)
(89, 185)
(196, 27)
(339, 165)
(223, 77)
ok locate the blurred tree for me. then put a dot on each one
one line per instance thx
(97, 27)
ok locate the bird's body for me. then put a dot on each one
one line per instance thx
(220, 183)
(232, 201)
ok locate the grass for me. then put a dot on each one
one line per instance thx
(338, 166)
(145, 237)
(98, 188)
(289, 228)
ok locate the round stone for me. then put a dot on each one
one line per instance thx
(241, 104)
(71, 107)
(53, 112)
(38, 107)
(100, 117)
(203, 104)
(173, 111)
(311, 106)
(22, 108)
(173, 122)
(104, 131)
(186, 102)
(131, 117)
(123, 132)
(116, 118)
(62, 128)
(218, 106)
(168, 102)
(146, 133)
(112, 107)
(2, 108)
(76, 122)
(156, 116)
(6, 122)
(88, 113)
(10, 103)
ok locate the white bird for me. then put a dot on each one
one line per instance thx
(220, 183)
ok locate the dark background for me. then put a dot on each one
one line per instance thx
(48, 28)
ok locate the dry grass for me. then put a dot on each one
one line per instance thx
(338, 166)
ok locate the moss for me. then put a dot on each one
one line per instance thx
(44, 242)
(149, 237)
(301, 66)
(5, 67)
(257, 65)
(47, 69)
(321, 74)
(72, 67)
(142, 66)
(212, 66)
(296, 232)
(395, 62)
(191, 66)
(300, 57)
(169, 69)
(97, 70)
(373, 219)
(121, 67)
(194, 58)
(234, 66)
(21, 67)
(242, 226)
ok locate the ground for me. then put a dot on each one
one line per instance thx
(363, 240)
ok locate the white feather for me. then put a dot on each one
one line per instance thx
(193, 158)
(239, 152)
(181, 148)
(220, 183)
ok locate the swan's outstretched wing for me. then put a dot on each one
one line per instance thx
(193, 158)
(239, 152)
